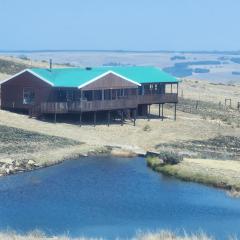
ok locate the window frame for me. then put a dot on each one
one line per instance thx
(30, 91)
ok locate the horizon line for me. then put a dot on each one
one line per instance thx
(123, 51)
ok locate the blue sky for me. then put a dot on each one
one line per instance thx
(120, 25)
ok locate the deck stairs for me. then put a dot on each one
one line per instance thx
(126, 115)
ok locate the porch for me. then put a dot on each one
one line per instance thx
(128, 102)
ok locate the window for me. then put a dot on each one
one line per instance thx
(28, 96)
(97, 95)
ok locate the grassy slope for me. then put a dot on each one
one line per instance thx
(217, 173)
(22, 141)
(211, 110)
(206, 91)
(12, 65)
(18, 147)
(219, 147)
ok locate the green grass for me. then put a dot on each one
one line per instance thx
(153, 162)
(190, 176)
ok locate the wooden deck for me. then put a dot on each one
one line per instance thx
(158, 98)
(130, 102)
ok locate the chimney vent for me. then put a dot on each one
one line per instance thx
(50, 64)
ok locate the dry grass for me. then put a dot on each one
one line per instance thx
(206, 91)
(187, 127)
(161, 235)
(25, 150)
(12, 65)
(168, 235)
(220, 147)
(209, 110)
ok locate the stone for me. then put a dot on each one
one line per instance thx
(7, 160)
(31, 162)
(152, 153)
(18, 169)
(9, 169)
(17, 163)
(123, 153)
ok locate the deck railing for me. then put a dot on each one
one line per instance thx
(158, 98)
(98, 105)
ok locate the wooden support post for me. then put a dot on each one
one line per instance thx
(134, 117)
(55, 114)
(196, 106)
(94, 115)
(149, 112)
(230, 102)
(80, 119)
(102, 95)
(55, 117)
(108, 118)
(159, 110)
(162, 112)
(219, 105)
(175, 112)
(121, 117)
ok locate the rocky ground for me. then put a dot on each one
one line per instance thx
(219, 147)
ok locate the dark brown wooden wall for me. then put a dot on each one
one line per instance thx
(12, 91)
(110, 81)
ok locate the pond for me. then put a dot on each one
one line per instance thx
(112, 197)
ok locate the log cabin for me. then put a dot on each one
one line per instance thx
(127, 91)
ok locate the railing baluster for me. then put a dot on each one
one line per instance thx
(129, 102)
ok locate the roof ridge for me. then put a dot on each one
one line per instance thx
(77, 76)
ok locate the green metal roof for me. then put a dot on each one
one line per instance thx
(75, 77)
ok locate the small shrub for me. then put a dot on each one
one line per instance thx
(23, 57)
(170, 157)
(153, 162)
(147, 128)
(204, 117)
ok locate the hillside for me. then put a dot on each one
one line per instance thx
(12, 65)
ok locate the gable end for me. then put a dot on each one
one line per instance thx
(93, 81)
(28, 71)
